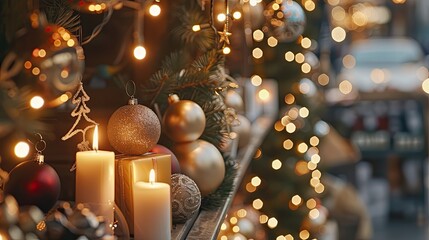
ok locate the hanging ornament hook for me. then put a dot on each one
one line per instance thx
(40, 146)
(130, 89)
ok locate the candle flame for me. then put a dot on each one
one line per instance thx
(152, 176)
(95, 138)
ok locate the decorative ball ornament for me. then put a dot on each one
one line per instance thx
(185, 197)
(184, 120)
(242, 130)
(133, 129)
(92, 6)
(50, 55)
(286, 21)
(175, 167)
(202, 162)
(234, 100)
(34, 183)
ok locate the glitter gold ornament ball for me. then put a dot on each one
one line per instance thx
(184, 120)
(202, 162)
(185, 197)
(133, 129)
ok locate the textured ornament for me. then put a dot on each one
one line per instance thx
(133, 129)
(34, 183)
(51, 56)
(184, 120)
(175, 167)
(185, 197)
(234, 100)
(202, 162)
(286, 21)
(92, 6)
(242, 130)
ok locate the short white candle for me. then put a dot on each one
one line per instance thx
(152, 205)
(95, 179)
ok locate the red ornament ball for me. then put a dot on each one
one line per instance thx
(175, 167)
(33, 183)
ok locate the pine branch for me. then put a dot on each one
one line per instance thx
(58, 12)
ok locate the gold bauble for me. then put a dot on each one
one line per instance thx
(202, 162)
(184, 120)
(185, 197)
(242, 130)
(234, 100)
(133, 129)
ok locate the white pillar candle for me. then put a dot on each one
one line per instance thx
(152, 205)
(95, 180)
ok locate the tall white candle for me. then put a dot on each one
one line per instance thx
(95, 179)
(152, 205)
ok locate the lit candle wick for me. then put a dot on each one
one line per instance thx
(152, 176)
(95, 139)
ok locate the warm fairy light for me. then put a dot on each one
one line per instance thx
(302, 147)
(57, 43)
(323, 79)
(304, 234)
(305, 68)
(289, 56)
(37, 102)
(425, 86)
(345, 87)
(306, 42)
(272, 222)
(338, 34)
(311, 166)
(296, 200)
(27, 65)
(196, 28)
(42, 53)
(71, 42)
(272, 41)
(236, 229)
(226, 50)
(378, 75)
(293, 113)
(338, 13)
(258, 35)
(311, 203)
(278, 126)
(250, 188)
(242, 213)
(281, 237)
(35, 71)
(312, 151)
(309, 5)
(233, 220)
(299, 58)
(320, 188)
(221, 17)
(95, 138)
(42, 77)
(223, 237)
(275, 6)
(35, 52)
(315, 158)
(64, 97)
(289, 237)
(349, 61)
(257, 53)
(139, 52)
(289, 98)
(290, 127)
(314, 213)
(64, 73)
(236, 15)
(288, 144)
(304, 112)
(276, 164)
(263, 219)
(359, 18)
(316, 174)
(22, 149)
(223, 227)
(314, 182)
(257, 204)
(256, 181)
(285, 120)
(155, 10)
(333, 2)
(258, 153)
(314, 141)
(264, 95)
(256, 80)
(399, 1)
(301, 168)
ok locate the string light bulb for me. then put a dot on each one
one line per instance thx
(139, 52)
(226, 50)
(22, 149)
(155, 10)
(37, 102)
